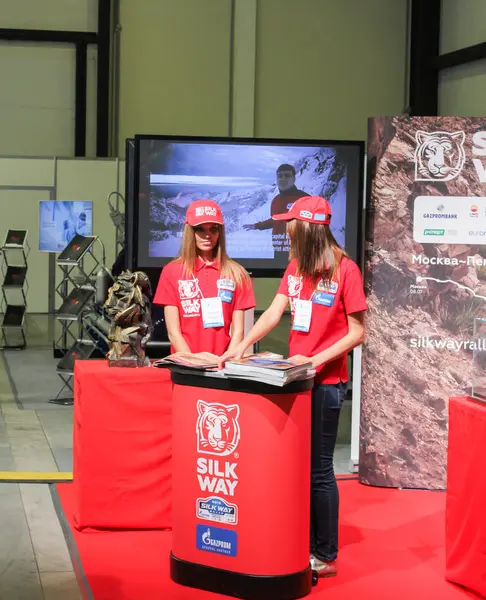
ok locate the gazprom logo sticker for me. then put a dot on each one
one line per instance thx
(216, 540)
(305, 214)
(225, 296)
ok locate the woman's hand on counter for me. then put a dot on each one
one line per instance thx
(235, 354)
(300, 359)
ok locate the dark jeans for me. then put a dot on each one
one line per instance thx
(327, 400)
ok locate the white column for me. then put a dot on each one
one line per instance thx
(355, 410)
(242, 118)
(243, 68)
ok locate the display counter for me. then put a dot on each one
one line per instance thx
(241, 486)
(466, 495)
(122, 446)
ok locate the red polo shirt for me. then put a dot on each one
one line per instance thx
(175, 289)
(330, 306)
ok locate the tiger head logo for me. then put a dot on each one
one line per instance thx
(439, 156)
(187, 289)
(294, 285)
(217, 427)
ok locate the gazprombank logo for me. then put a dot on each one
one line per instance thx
(439, 155)
(218, 430)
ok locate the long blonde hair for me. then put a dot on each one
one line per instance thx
(316, 250)
(229, 268)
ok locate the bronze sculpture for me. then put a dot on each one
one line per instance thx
(129, 307)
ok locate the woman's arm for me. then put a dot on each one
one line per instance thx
(171, 315)
(269, 319)
(237, 329)
(353, 338)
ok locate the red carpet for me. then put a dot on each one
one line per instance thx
(392, 547)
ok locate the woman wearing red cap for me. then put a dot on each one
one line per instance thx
(204, 292)
(327, 302)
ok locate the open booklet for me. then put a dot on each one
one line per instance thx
(201, 361)
(265, 367)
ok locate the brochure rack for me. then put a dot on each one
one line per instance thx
(13, 304)
(77, 288)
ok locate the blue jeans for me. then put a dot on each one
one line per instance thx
(327, 400)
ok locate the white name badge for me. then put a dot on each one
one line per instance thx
(226, 284)
(302, 315)
(212, 312)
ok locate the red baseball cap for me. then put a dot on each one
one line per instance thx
(203, 211)
(312, 209)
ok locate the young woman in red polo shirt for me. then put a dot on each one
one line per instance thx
(327, 302)
(204, 292)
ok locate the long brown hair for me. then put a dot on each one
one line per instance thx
(315, 248)
(229, 268)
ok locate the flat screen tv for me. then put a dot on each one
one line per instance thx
(251, 179)
(60, 221)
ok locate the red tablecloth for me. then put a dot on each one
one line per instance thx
(122, 446)
(466, 495)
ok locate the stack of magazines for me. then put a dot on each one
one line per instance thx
(268, 370)
(264, 367)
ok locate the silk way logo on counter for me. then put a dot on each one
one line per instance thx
(218, 433)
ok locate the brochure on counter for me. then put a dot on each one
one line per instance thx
(201, 361)
(265, 367)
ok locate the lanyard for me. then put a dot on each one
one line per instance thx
(196, 281)
(312, 295)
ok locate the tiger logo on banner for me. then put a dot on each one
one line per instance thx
(439, 155)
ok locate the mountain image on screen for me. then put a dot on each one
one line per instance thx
(245, 188)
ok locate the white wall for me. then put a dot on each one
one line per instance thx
(64, 15)
(325, 66)
(38, 80)
(463, 23)
(37, 109)
(174, 67)
(462, 89)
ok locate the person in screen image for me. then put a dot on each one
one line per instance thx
(81, 225)
(71, 227)
(325, 290)
(203, 291)
(69, 231)
(288, 194)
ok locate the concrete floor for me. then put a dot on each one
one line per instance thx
(35, 562)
